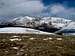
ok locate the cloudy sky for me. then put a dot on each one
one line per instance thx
(60, 8)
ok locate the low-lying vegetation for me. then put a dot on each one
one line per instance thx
(36, 45)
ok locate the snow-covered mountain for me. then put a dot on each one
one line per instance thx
(40, 23)
(56, 21)
(33, 21)
(45, 24)
(68, 30)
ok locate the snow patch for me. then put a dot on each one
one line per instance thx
(15, 36)
(15, 48)
(31, 38)
(59, 38)
(15, 39)
(22, 30)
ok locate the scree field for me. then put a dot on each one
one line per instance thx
(36, 45)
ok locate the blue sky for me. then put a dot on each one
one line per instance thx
(69, 3)
(59, 8)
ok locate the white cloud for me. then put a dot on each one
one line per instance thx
(61, 10)
(57, 9)
(13, 7)
(33, 7)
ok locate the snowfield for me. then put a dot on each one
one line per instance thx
(68, 30)
(22, 30)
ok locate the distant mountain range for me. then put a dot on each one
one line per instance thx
(49, 24)
(68, 30)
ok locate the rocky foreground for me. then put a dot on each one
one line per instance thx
(36, 45)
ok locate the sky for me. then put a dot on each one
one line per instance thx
(58, 8)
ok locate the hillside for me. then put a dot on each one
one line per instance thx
(36, 45)
(47, 24)
(20, 30)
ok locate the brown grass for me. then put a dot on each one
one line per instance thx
(36, 45)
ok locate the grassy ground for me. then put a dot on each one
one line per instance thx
(36, 45)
